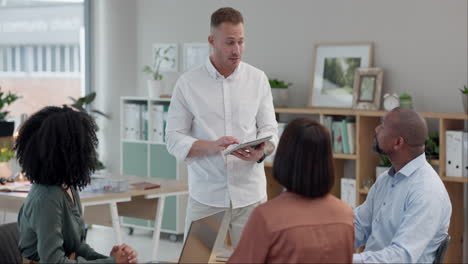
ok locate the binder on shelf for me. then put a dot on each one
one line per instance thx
(337, 137)
(132, 121)
(126, 121)
(345, 141)
(157, 130)
(465, 155)
(348, 191)
(165, 113)
(327, 122)
(143, 108)
(351, 127)
(454, 152)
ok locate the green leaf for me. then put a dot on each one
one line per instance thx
(275, 83)
(147, 69)
(79, 107)
(89, 98)
(100, 113)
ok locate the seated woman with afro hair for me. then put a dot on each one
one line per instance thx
(56, 149)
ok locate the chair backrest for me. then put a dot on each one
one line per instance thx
(9, 237)
(440, 253)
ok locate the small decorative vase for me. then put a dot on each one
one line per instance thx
(155, 88)
(280, 97)
(465, 102)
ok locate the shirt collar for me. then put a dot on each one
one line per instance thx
(409, 168)
(216, 75)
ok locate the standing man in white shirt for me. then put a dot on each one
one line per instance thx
(223, 102)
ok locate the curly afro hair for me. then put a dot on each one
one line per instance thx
(57, 146)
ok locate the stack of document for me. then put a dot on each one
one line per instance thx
(135, 121)
(158, 122)
(348, 191)
(457, 153)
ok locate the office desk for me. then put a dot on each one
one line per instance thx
(105, 208)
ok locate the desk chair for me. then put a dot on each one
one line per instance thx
(9, 237)
(440, 253)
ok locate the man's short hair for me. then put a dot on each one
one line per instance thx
(303, 161)
(226, 14)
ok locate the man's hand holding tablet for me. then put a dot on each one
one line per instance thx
(248, 151)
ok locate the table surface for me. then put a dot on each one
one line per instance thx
(167, 186)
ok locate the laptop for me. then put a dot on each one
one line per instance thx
(203, 236)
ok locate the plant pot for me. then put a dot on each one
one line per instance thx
(280, 97)
(6, 128)
(408, 103)
(155, 88)
(379, 170)
(465, 102)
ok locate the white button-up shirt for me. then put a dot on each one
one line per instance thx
(207, 106)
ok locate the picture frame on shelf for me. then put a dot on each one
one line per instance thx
(367, 92)
(332, 79)
(169, 50)
(195, 54)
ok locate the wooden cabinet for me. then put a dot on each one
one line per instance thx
(366, 161)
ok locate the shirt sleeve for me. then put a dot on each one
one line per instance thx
(47, 222)
(423, 217)
(179, 124)
(254, 244)
(88, 253)
(266, 119)
(363, 219)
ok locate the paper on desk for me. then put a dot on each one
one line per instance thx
(16, 187)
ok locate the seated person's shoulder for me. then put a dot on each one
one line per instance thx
(46, 193)
(339, 207)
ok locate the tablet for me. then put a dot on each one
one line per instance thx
(252, 143)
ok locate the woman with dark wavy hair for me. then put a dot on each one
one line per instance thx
(56, 149)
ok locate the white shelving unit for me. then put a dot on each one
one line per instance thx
(148, 158)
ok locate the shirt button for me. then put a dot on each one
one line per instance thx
(384, 204)
(393, 185)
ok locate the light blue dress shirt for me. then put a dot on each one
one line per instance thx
(405, 217)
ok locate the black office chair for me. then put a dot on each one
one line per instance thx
(440, 253)
(9, 251)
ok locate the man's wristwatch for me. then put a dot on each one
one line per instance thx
(262, 158)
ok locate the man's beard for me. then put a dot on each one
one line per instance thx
(376, 148)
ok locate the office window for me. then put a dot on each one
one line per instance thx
(42, 52)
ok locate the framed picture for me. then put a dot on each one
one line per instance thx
(367, 88)
(333, 73)
(169, 51)
(195, 54)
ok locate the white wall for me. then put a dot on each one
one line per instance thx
(420, 44)
(113, 69)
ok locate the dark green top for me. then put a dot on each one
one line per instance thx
(51, 227)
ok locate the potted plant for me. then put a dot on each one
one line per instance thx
(406, 100)
(464, 92)
(432, 146)
(6, 128)
(155, 85)
(83, 104)
(384, 165)
(279, 91)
